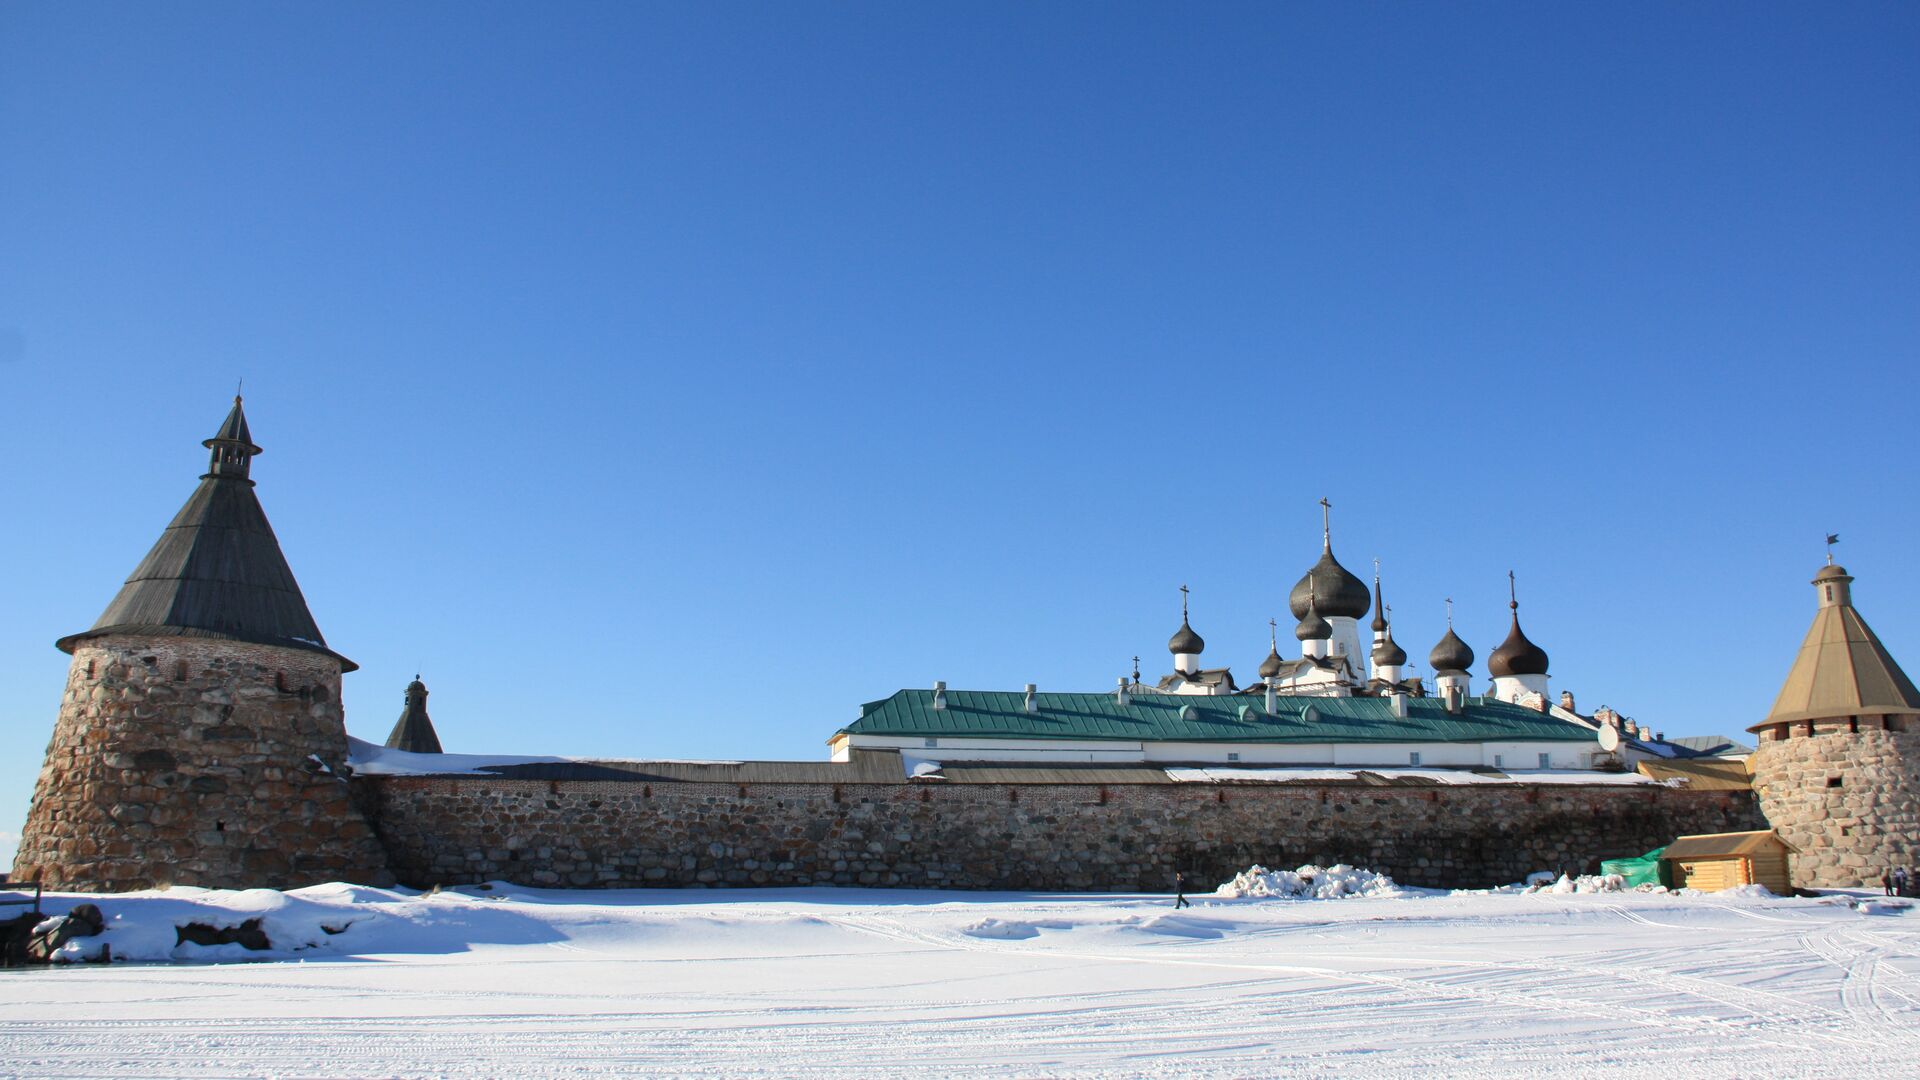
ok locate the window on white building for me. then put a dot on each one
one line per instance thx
(1413, 758)
(1545, 761)
(1233, 757)
(1496, 761)
(932, 742)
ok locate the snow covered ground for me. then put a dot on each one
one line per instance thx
(843, 982)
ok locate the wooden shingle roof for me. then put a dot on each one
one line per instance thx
(217, 570)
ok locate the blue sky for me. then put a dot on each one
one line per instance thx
(669, 380)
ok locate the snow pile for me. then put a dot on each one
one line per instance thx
(1309, 882)
(1585, 883)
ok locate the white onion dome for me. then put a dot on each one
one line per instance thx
(1451, 654)
(1333, 587)
(1185, 640)
(1517, 655)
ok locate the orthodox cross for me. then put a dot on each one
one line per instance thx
(1273, 632)
(1136, 669)
(1832, 539)
(1326, 522)
(1449, 612)
(1513, 600)
(1183, 603)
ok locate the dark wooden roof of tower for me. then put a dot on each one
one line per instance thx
(414, 732)
(217, 570)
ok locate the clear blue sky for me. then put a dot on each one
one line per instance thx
(669, 380)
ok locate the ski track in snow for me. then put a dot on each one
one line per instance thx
(851, 983)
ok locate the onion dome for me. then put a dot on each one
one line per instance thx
(1388, 653)
(1272, 664)
(1312, 627)
(1185, 640)
(1451, 654)
(1517, 655)
(1335, 589)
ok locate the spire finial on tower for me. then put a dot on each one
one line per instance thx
(1326, 523)
(1183, 603)
(1449, 612)
(1136, 669)
(1380, 608)
(1513, 598)
(232, 445)
(1273, 633)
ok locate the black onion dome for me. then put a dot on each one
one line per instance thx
(1517, 655)
(1185, 640)
(1333, 587)
(1272, 664)
(1451, 654)
(1388, 653)
(1312, 627)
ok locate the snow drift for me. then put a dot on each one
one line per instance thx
(1309, 883)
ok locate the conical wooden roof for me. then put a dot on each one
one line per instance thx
(217, 570)
(414, 731)
(1842, 669)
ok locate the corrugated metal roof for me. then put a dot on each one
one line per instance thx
(1732, 843)
(1194, 718)
(1710, 745)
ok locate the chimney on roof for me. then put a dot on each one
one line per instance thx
(1399, 705)
(1455, 703)
(1566, 700)
(1120, 693)
(1273, 704)
(939, 695)
(1659, 736)
(1032, 693)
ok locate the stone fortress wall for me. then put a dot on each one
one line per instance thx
(1847, 795)
(446, 830)
(196, 761)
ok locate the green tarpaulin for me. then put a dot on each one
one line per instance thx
(1644, 870)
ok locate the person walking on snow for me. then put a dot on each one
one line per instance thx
(1899, 881)
(1180, 890)
(1886, 881)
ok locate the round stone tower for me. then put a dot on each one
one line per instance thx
(1838, 763)
(200, 739)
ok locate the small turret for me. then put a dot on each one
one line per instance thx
(414, 732)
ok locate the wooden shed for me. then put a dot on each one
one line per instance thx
(1715, 861)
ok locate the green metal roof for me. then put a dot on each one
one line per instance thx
(987, 714)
